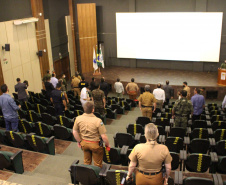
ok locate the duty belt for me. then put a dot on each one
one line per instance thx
(145, 106)
(146, 173)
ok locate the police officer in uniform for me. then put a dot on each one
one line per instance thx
(83, 83)
(132, 89)
(75, 85)
(46, 76)
(146, 101)
(149, 156)
(181, 110)
(87, 130)
(58, 99)
(99, 99)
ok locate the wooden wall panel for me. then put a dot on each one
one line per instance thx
(35, 65)
(9, 80)
(87, 34)
(62, 66)
(18, 73)
(28, 75)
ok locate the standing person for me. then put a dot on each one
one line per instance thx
(64, 83)
(198, 102)
(132, 89)
(83, 83)
(186, 88)
(181, 110)
(75, 85)
(146, 101)
(26, 83)
(104, 86)
(84, 97)
(87, 131)
(119, 88)
(9, 109)
(92, 84)
(224, 104)
(49, 87)
(20, 88)
(223, 65)
(46, 75)
(149, 156)
(99, 99)
(58, 99)
(159, 96)
(54, 80)
(202, 91)
(168, 91)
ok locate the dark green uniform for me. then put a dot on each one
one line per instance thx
(182, 109)
(98, 96)
(46, 76)
(64, 84)
(58, 98)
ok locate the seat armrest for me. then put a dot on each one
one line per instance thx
(189, 122)
(153, 120)
(188, 130)
(207, 112)
(167, 129)
(158, 114)
(214, 157)
(181, 155)
(210, 131)
(50, 139)
(17, 162)
(171, 121)
(209, 123)
(124, 150)
(162, 138)
(212, 142)
(180, 178)
(176, 177)
(207, 117)
(15, 155)
(75, 162)
(184, 155)
(187, 140)
(215, 179)
(220, 180)
(104, 169)
(137, 137)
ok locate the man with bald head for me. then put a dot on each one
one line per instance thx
(159, 96)
(146, 101)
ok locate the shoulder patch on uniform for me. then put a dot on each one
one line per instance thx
(101, 123)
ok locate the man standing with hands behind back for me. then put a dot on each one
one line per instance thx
(87, 130)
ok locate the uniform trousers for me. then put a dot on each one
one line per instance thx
(159, 104)
(181, 121)
(92, 150)
(101, 110)
(119, 95)
(77, 91)
(142, 179)
(59, 109)
(147, 112)
(132, 95)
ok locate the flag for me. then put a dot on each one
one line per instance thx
(94, 60)
(101, 60)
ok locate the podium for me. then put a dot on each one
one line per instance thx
(221, 80)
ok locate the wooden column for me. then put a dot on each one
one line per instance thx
(38, 12)
(72, 16)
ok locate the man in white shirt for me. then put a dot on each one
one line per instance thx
(119, 88)
(84, 97)
(159, 95)
(54, 80)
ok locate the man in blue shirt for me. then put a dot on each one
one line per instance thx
(198, 102)
(9, 109)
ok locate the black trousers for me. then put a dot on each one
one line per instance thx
(59, 109)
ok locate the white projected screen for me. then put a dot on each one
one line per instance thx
(169, 36)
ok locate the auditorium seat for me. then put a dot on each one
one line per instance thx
(174, 144)
(78, 113)
(162, 122)
(166, 115)
(119, 109)
(218, 125)
(43, 91)
(43, 129)
(27, 106)
(70, 114)
(48, 119)
(22, 114)
(98, 115)
(133, 129)
(126, 105)
(12, 161)
(177, 132)
(15, 95)
(199, 146)
(25, 126)
(201, 133)
(197, 181)
(40, 108)
(216, 118)
(40, 95)
(71, 101)
(78, 107)
(220, 134)
(41, 144)
(220, 148)
(121, 139)
(51, 110)
(35, 100)
(111, 114)
(45, 102)
(114, 156)
(176, 162)
(64, 121)
(133, 103)
(33, 116)
(142, 120)
(215, 112)
(18, 140)
(62, 132)
(221, 165)
(199, 124)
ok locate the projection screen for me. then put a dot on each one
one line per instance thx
(169, 36)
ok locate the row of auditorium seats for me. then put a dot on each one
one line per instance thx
(28, 141)
(93, 175)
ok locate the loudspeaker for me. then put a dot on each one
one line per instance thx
(39, 53)
(6, 48)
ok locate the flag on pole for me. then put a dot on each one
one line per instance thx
(101, 60)
(94, 60)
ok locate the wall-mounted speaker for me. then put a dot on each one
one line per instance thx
(39, 53)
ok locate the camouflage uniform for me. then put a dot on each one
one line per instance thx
(64, 84)
(46, 76)
(182, 109)
(98, 96)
